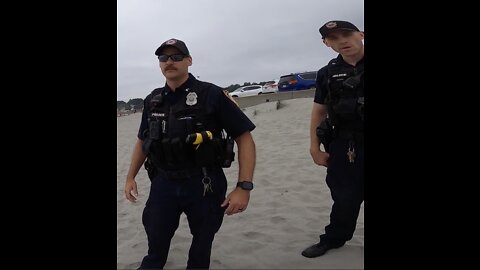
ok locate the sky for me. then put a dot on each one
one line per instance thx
(230, 41)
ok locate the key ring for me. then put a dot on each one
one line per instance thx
(206, 178)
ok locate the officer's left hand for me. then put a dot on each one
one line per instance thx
(237, 201)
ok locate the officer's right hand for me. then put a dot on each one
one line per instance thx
(131, 190)
(320, 157)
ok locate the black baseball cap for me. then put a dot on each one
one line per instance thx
(180, 45)
(332, 26)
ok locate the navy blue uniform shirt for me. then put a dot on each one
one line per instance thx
(227, 114)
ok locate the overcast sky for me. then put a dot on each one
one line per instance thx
(231, 41)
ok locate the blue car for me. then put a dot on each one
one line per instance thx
(297, 81)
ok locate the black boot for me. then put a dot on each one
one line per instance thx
(318, 250)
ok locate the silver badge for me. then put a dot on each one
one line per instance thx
(191, 98)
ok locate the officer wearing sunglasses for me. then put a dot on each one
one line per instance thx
(187, 174)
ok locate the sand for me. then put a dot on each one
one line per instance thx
(288, 209)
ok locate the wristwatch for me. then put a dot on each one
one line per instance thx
(246, 185)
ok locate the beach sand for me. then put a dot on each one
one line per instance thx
(288, 209)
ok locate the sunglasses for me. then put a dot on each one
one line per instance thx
(174, 57)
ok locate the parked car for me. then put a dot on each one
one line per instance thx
(297, 81)
(249, 90)
(270, 87)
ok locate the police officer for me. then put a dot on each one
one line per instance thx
(185, 139)
(340, 96)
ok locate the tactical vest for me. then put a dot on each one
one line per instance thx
(345, 98)
(169, 125)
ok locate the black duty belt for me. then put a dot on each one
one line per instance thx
(357, 137)
(180, 174)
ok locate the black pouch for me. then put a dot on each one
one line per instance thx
(167, 150)
(178, 150)
(346, 108)
(156, 154)
(154, 129)
(205, 154)
(151, 169)
(219, 150)
(325, 133)
(228, 153)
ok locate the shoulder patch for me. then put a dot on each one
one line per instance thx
(229, 97)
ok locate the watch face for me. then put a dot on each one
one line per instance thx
(245, 185)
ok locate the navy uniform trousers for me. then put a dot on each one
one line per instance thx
(346, 181)
(168, 199)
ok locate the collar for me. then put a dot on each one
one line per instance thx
(341, 61)
(182, 88)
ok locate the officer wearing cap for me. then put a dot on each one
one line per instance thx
(185, 138)
(338, 110)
